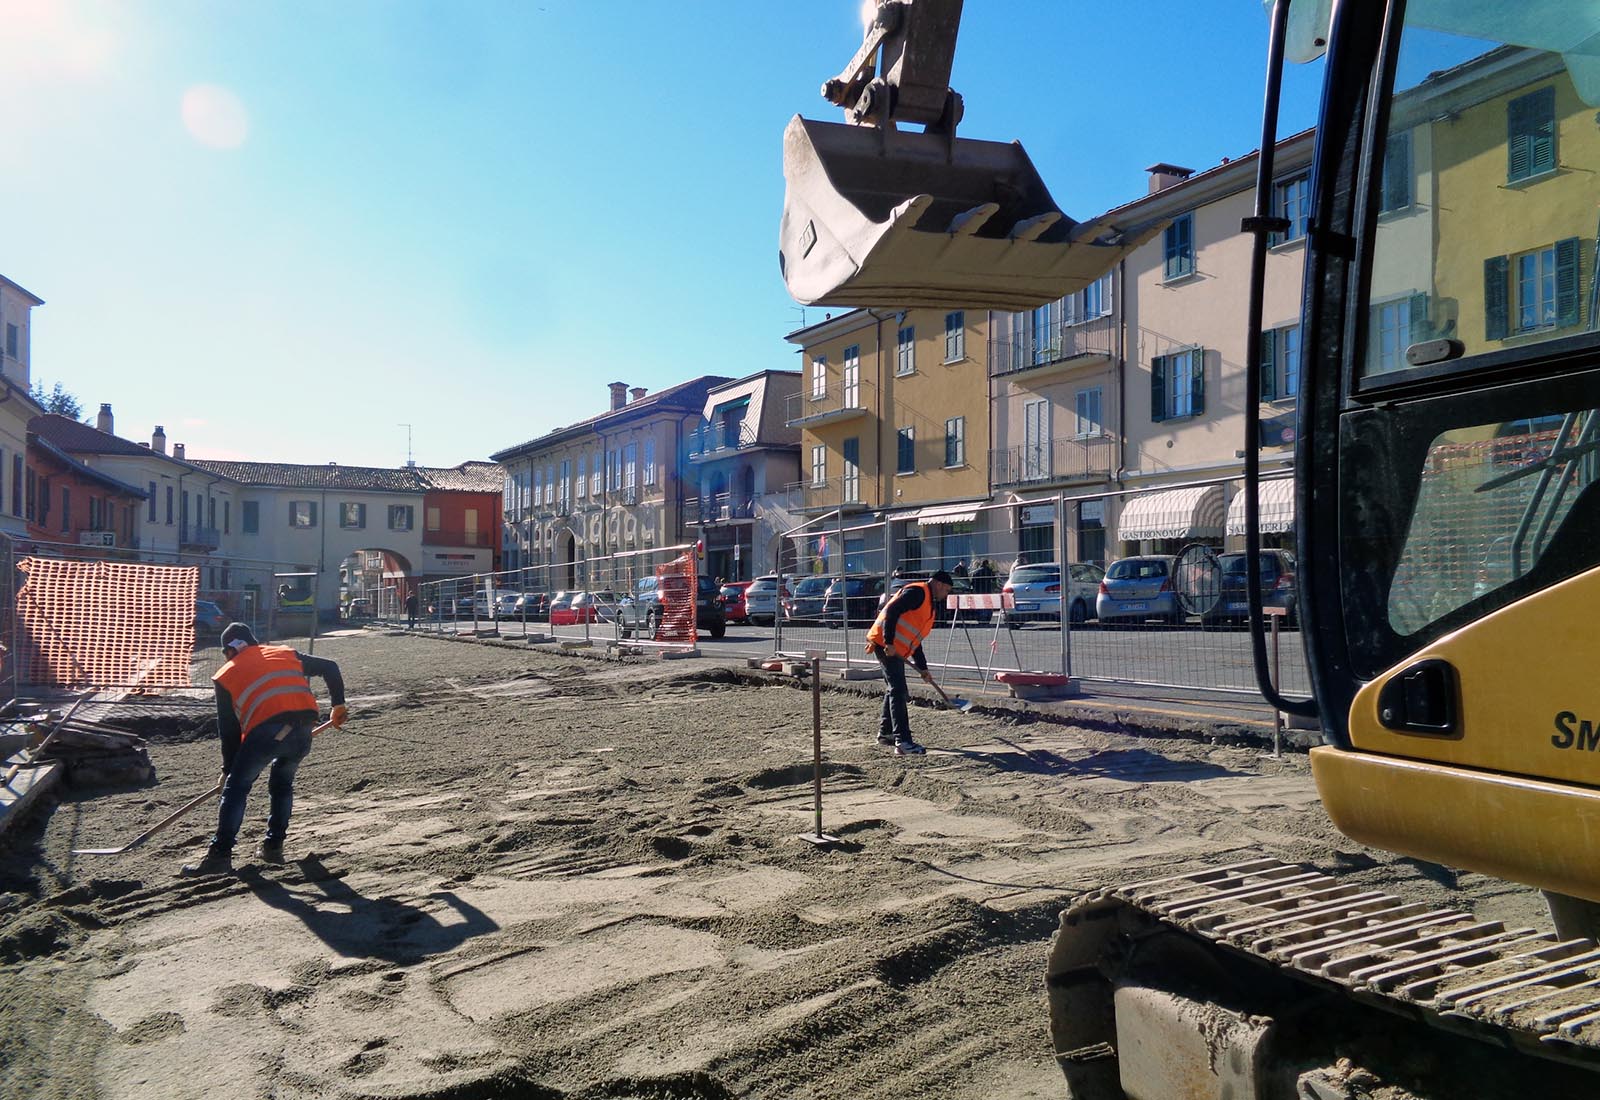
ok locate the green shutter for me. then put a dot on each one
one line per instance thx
(1421, 327)
(1496, 271)
(1567, 253)
(1269, 366)
(1531, 135)
(1158, 388)
(1197, 383)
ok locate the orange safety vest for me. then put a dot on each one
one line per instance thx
(265, 681)
(909, 629)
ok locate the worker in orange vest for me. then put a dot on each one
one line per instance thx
(895, 638)
(265, 713)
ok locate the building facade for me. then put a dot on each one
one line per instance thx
(17, 408)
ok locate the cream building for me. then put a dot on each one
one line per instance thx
(17, 408)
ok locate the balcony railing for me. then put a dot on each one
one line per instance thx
(830, 493)
(1053, 460)
(199, 538)
(837, 401)
(713, 439)
(1055, 344)
(719, 508)
(455, 537)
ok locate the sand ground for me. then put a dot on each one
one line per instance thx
(517, 874)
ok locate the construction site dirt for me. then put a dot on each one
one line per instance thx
(524, 874)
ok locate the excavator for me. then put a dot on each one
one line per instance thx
(1447, 454)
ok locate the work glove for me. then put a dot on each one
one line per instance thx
(339, 715)
(927, 676)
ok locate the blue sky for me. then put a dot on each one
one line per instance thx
(283, 230)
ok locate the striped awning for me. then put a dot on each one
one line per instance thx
(1277, 508)
(1192, 513)
(947, 513)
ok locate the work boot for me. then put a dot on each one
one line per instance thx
(214, 863)
(908, 748)
(885, 739)
(270, 851)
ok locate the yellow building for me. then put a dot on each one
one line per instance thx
(894, 436)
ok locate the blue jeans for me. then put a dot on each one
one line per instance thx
(893, 721)
(260, 749)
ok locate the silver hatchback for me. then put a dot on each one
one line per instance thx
(1136, 589)
(763, 599)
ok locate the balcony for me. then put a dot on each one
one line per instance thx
(719, 508)
(712, 440)
(825, 496)
(455, 537)
(1057, 460)
(199, 538)
(1046, 352)
(838, 402)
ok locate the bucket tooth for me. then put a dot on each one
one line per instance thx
(901, 219)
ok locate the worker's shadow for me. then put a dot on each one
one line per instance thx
(357, 926)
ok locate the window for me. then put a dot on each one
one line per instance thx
(630, 467)
(94, 512)
(583, 475)
(1178, 247)
(1291, 200)
(1531, 135)
(211, 512)
(538, 486)
(595, 477)
(1092, 301)
(905, 450)
(433, 518)
(550, 483)
(151, 515)
(227, 516)
(1396, 188)
(1280, 361)
(401, 517)
(1035, 440)
(905, 350)
(11, 340)
(852, 469)
(352, 516)
(565, 492)
(249, 515)
(66, 510)
(1087, 413)
(1533, 291)
(955, 441)
(852, 377)
(650, 461)
(1178, 385)
(955, 336)
(16, 489)
(819, 465)
(302, 513)
(819, 378)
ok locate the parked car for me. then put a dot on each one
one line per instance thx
(734, 609)
(1277, 588)
(596, 607)
(209, 619)
(1036, 592)
(1135, 589)
(358, 608)
(805, 605)
(763, 599)
(505, 605)
(561, 613)
(531, 606)
(959, 586)
(461, 607)
(853, 596)
(641, 612)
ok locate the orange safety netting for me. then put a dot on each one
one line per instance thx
(675, 581)
(105, 624)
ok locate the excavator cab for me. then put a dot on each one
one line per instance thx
(880, 216)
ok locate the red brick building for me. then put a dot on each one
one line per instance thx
(67, 501)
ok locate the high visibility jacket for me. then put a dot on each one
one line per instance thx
(264, 682)
(911, 627)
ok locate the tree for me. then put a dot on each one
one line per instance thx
(58, 400)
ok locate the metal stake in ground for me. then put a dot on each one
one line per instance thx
(819, 838)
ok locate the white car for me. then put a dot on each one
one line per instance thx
(1036, 590)
(763, 599)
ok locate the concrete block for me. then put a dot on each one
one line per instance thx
(679, 654)
(1043, 693)
(861, 672)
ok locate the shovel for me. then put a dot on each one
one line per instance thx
(170, 818)
(963, 705)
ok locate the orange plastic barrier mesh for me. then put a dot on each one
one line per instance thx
(105, 624)
(675, 581)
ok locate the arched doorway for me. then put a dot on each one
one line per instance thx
(570, 557)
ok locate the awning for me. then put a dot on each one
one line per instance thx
(1193, 513)
(947, 513)
(1277, 508)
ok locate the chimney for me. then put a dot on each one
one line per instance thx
(177, 451)
(1163, 176)
(158, 440)
(636, 393)
(619, 395)
(103, 421)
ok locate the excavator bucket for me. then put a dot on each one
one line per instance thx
(895, 218)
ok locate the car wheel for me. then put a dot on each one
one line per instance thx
(1077, 613)
(719, 630)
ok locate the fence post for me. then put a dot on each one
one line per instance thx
(777, 615)
(1066, 585)
(844, 584)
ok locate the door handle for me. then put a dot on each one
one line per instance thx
(1422, 698)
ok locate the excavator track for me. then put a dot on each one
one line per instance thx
(1517, 988)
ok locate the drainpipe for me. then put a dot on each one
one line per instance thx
(883, 497)
(1122, 373)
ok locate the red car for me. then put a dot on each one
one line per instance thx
(733, 604)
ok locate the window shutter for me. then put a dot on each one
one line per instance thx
(313, 513)
(1516, 142)
(1496, 269)
(1421, 326)
(1158, 388)
(1269, 366)
(1567, 253)
(1197, 386)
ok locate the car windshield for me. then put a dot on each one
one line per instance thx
(1137, 569)
(1033, 574)
(732, 590)
(811, 586)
